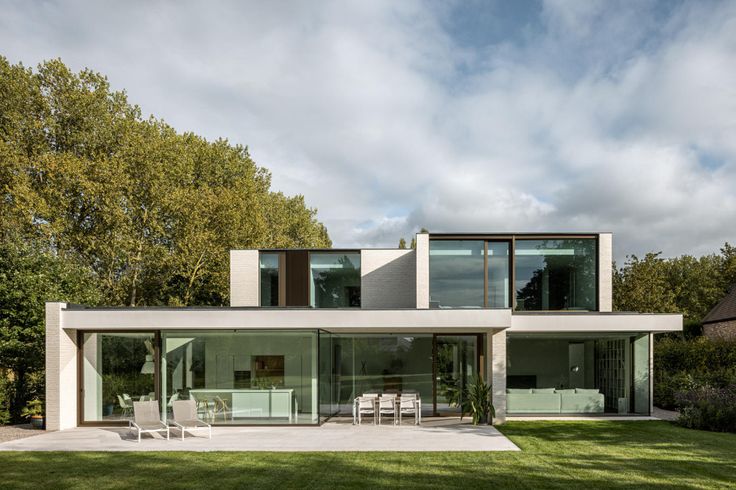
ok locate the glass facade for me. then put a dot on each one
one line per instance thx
(498, 274)
(584, 373)
(243, 377)
(334, 280)
(269, 271)
(456, 364)
(117, 369)
(456, 273)
(556, 274)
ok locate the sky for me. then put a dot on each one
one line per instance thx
(487, 116)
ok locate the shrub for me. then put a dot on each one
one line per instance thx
(708, 408)
(5, 397)
(678, 363)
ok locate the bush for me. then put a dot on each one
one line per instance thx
(5, 397)
(679, 363)
(708, 408)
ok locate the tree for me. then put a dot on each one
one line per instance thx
(153, 212)
(641, 285)
(685, 284)
(99, 205)
(402, 243)
(30, 275)
(414, 238)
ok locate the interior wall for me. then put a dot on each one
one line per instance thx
(224, 354)
(549, 360)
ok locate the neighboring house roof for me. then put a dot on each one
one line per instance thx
(724, 310)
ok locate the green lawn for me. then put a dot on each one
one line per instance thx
(554, 454)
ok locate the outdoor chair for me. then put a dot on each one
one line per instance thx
(366, 406)
(387, 406)
(126, 405)
(186, 419)
(147, 419)
(409, 405)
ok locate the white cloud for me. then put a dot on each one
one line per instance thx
(597, 119)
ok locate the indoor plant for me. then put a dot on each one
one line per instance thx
(477, 402)
(34, 411)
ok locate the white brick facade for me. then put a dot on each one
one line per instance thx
(388, 279)
(244, 278)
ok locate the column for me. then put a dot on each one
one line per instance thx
(497, 346)
(61, 371)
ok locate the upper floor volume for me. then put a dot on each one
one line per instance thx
(517, 271)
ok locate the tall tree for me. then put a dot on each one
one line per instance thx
(30, 275)
(153, 212)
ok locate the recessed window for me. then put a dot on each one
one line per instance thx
(556, 274)
(456, 273)
(269, 265)
(334, 280)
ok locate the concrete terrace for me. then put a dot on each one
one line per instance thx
(446, 434)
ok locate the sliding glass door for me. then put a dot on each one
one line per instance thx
(116, 370)
(456, 363)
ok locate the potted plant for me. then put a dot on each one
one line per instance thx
(34, 411)
(478, 402)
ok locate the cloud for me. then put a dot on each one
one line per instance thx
(390, 116)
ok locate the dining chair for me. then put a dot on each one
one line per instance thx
(409, 405)
(366, 406)
(387, 406)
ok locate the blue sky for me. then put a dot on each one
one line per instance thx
(481, 115)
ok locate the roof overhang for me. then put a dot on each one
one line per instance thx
(595, 322)
(332, 320)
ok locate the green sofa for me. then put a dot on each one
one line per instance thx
(550, 400)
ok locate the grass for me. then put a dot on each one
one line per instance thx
(554, 455)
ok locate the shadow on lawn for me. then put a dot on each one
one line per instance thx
(567, 455)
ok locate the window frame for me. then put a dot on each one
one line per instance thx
(511, 239)
(281, 276)
(334, 252)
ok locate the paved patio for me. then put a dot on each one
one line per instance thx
(433, 435)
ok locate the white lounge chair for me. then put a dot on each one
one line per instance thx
(147, 419)
(185, 418)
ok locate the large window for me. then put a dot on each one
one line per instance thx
(456, 273)
(437, 368)
(117, 369)
(585, 373)
(335, 280)
(556, 274)
(270, 284)
(458, 277)
(243, 377)
(378, 363)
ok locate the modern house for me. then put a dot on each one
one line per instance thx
(309, 330)
(720, 322)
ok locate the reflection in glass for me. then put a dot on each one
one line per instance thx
(381, 363)
(456, 366)
(456, 273)
(117, 369)
(269, 265)
(555, 274)
(498, 274)
(335, 280)
(243, 377)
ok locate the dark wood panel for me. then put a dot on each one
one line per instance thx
(297, 278)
